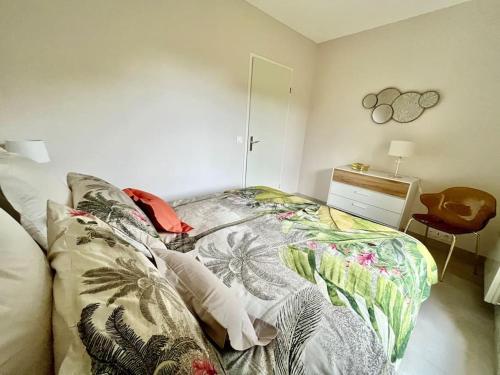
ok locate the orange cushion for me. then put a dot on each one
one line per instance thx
(158, 211)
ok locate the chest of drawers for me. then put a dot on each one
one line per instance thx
(374, 195)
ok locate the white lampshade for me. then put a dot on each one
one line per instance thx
(32, 149)
(401, 148)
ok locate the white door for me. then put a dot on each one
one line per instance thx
(268, 113)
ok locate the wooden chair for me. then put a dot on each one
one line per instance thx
(456, 211)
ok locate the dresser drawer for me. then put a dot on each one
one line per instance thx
(381, 185)
(373, 198)
(365, 210)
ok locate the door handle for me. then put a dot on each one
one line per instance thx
(252, 142)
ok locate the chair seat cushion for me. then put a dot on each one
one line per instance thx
(439, 224)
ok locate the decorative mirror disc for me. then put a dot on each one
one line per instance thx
(369, 101)
(429, 99)
(382, 113)
(387, 96)
(390, 103)
(406, 107)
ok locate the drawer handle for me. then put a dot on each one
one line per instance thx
(361, 193)
(359, 206)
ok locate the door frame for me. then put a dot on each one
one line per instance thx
(247, 121)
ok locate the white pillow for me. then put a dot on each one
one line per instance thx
(25, 302)
(28, 185)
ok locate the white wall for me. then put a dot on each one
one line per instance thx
(147, 94)
(455, 51)
(152, 94)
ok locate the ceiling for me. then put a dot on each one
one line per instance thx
(322, 20)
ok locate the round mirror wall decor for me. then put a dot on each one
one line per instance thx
(406, 107)
(382, 114)
(429, 99)
(403, 107)
(369, 101)
(387, 96)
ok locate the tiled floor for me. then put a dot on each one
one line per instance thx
(455, 328)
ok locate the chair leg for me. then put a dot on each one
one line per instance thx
(476, 264)
(408, 225)
(426, 230)
(449, 255)
(426, 234)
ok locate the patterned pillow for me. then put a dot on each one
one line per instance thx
(113, 313)
(114, 207)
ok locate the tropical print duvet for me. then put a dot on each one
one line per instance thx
(343, 292)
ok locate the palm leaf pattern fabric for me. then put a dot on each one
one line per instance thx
(270, 246)
(120, 350)
(297, 321)
(111, 205)
(127, 278)
(117, 314)
(251, 265)
(114, 213)
(93, 231)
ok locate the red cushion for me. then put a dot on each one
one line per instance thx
(158, 211)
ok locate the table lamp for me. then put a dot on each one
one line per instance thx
(401, 149)
(32, 149)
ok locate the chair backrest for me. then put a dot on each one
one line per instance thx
(463, 207)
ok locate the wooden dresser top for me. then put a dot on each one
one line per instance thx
(379, 174)
(382, 182)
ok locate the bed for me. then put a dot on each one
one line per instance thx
(343, 292)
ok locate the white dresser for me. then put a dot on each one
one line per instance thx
(374, 195)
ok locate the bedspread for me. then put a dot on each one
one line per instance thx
(344, 292)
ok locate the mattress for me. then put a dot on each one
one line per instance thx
(344, 292)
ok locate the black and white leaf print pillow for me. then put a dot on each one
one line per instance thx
(107, 202)
(113, 312)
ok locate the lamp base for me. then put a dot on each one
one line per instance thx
(398, 162)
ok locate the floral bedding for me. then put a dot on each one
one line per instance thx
(114, 313)
(343, 292)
